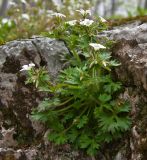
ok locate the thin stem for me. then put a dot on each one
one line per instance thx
(73, 123)
(61, 104)
(75, 54)
(64, 109)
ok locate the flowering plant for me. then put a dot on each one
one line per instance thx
(27, 67)
(85, 109)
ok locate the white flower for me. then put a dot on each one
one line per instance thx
(60, 15)
(31, 65)
(23, 1)
(25, 16)
(27, 67)
(84, 12)
(97, 46)
(72, 23)
(12, 3)
(86, 22)
(102, 19)
(6, 20)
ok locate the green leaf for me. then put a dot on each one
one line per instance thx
(61, 139)
(104, 56)
(110, 122)
(107, 122)
(52, 136)
(112, 87)
(104, 137)
(48, 103)
(104, 97)
(67, 117)
(58, 138)
(85, 141)
(114, 63)
(124, 108)
(73, 135)
(108, 107)
(82, 121)
(123, 123)
(93, 148)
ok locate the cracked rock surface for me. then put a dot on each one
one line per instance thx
(18, 99)
(131, 50)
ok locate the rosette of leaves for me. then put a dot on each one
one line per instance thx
(85, 109)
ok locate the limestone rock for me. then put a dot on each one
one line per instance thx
(7, 138)
(16, 98)
(131, 50)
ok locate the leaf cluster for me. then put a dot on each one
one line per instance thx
(85, 109)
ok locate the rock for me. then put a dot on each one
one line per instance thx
(131, 50)
(11, 154)
(16, 98)
(7, 138)
(121, 155)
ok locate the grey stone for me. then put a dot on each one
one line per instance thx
(131, 50)
(16, 98)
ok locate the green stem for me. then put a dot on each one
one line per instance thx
(75, 54)
(61, 104)
(73, 123)
(64, 109)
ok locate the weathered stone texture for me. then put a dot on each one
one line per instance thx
(18, 99)
(131, 50)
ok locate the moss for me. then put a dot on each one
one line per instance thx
(122, 21)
